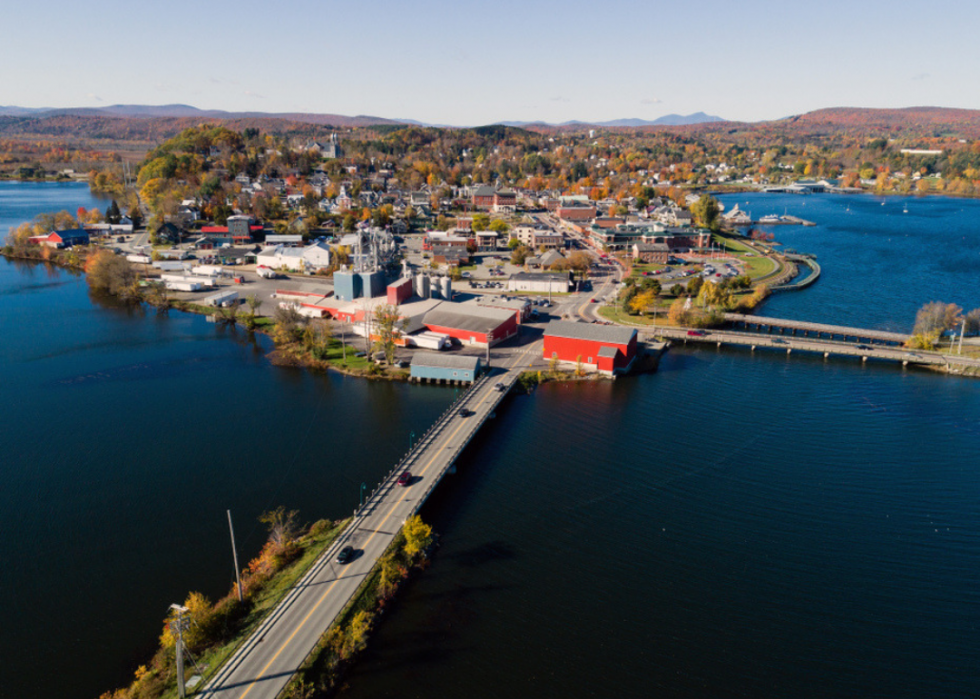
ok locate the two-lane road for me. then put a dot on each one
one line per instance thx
(264, 664)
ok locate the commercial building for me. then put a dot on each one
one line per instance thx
(433, 366)
(61, 239)
(552, 282)
(472, 324)
(607, 349)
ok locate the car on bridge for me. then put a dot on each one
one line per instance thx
(465, 412)
(499, 387)
(405, 479)
(696, 333)
(346, 555)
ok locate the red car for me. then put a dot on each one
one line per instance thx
(405, 479)
(697, 333)
(595, 300)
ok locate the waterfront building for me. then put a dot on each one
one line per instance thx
(606, 349)
(434, 366)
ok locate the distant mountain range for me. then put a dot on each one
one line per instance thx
(142, 123)
(183, 111)
(669, 120)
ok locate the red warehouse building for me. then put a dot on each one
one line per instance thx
(608, 349)
(472, 324)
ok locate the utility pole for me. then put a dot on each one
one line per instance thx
(180, 648)
(489, 340)
(962, 333)
(234, 553)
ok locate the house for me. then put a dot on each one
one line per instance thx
(170, 234)
(316, 256)
(546, 259)
(433, 366)
(607, 349)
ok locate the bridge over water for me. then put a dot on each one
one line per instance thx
(268, 659)
(816, 330)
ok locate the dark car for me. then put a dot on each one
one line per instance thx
(405, 478)
(865, 347)
(465, 412)
(499, 387)
(346, 555)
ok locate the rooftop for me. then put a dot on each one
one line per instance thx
(613, 334)
(467, 316)
(446, 361)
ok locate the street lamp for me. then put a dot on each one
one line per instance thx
(411, 440)
(363, 488)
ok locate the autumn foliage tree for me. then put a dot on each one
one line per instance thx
(110, 274)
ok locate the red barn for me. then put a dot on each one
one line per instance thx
(607, 349)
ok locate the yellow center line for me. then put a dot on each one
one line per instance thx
(365, 545)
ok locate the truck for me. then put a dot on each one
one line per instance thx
(428, 340)
(266, 272)
(222, 299)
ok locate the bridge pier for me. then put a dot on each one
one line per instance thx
(826, 355)
(719, 344)
(753, 348)
(864, 358)
(789, 350)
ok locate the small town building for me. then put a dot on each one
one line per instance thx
(607, 349)
(472, 324)
(651, 252)
(435, 366)
(61, 239)
(541, 283)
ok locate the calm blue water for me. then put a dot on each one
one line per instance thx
(126, 435)
(879, 265)
(733, 525)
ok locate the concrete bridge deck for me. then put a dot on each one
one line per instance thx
(805, 328)
(828, 348)
(268, 659)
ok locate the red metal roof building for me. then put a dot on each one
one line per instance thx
(472, 324)
(607, 349)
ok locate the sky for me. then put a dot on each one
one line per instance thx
(469, 62)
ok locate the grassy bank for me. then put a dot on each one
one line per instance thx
(219, 629)
(323, 671)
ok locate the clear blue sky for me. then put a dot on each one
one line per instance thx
(468, 63)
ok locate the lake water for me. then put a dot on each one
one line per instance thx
(882, 258)
(733, 525)
(126, 435)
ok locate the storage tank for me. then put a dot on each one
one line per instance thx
(422, 286)
(447, 288)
